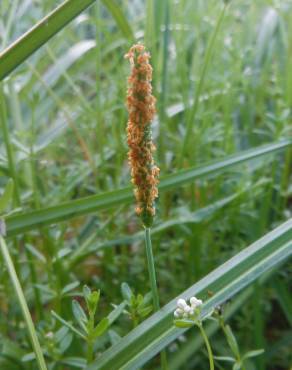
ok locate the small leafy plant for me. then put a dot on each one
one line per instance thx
(138, 306)
(89, 329)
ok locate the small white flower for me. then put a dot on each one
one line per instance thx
(187, 309)
(195, 302)
(178, 313)
(199, 302)
(181, 303)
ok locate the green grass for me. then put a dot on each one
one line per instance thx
(223, 137)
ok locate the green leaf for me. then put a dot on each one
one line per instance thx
(66, 323)
(139, 299)
(11, 355)
(21, 222)
(65, 343)
(79, 315)
(201, 82)
(28, 357)
(146, 299)
(101, 327)
(114, 336)
(36, 253)
(236, 366)
(126, 292)
(156, 332)
(253, 353)
(267, 31)
(120, 19)
(38, 35)
(69, 287)
(7, 195)
(145, 311)
(61, 334)
(63, 63)
(116, 312)
(78, 362)
(225, 358)
(92, 302)
(2, 227)
(86, 292)
(232, 341)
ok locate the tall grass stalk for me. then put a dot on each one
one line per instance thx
(22, 302)
(153, 284)
(194, 109)
(8, 146)
(151, 269)
(17, 198)
(141, 107)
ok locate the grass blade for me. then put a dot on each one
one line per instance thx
(19, 223)
(120, 19)
(38, 35)
(206, 63)
(202, 214)
(23, 305)
(155, 333)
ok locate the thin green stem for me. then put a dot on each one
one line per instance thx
(153, 283)
(151, 269)
(98, 101)
(8, 146)
(22, 302)
(90, 338)
(206, 340)
(195, 106)
(163, 359)
(89, 356)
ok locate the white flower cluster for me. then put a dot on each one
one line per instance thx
(184, 310)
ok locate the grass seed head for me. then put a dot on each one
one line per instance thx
(141, 108)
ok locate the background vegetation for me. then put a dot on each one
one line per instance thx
(223, 147)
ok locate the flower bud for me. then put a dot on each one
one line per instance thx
(178, 313)
(181, 303)
(187, 309)
(195, 302)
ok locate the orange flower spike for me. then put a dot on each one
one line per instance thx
(141, 108)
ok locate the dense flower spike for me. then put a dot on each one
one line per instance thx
(141, 107)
